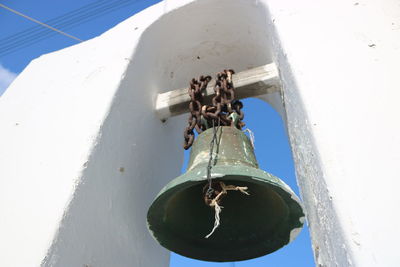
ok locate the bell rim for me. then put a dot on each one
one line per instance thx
(199, 174)
(257, 176)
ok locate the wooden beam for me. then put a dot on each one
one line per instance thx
(249, 83)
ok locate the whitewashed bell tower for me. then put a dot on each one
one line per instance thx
(83, 153)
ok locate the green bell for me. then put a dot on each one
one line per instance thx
(251, 225)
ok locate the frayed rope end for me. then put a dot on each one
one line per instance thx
(218, 208)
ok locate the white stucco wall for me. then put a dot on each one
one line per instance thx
(83, 154)
(341, 102)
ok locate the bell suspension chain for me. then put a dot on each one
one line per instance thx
(195, 91)
(223, 111)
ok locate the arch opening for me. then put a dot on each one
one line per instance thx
(182, 44)
(194, 40)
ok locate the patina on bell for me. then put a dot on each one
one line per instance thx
(251, 225)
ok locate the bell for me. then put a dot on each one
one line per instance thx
(251, 225)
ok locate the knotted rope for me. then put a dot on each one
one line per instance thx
(215, 202)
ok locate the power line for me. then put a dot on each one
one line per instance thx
(66, 21)
(52, 21)
(37, 33)
(28, 39)
(41, 23)
(10, 48)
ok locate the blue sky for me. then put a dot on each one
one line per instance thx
(22, 40)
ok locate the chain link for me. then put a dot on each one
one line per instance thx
(223, 105)
(195, 91)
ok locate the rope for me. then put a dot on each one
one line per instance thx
(218, 210)
(215, 202)
(251, 135)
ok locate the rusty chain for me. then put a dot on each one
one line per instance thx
(223, 106)
(195, 91)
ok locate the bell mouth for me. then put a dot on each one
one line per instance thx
(251, 225)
